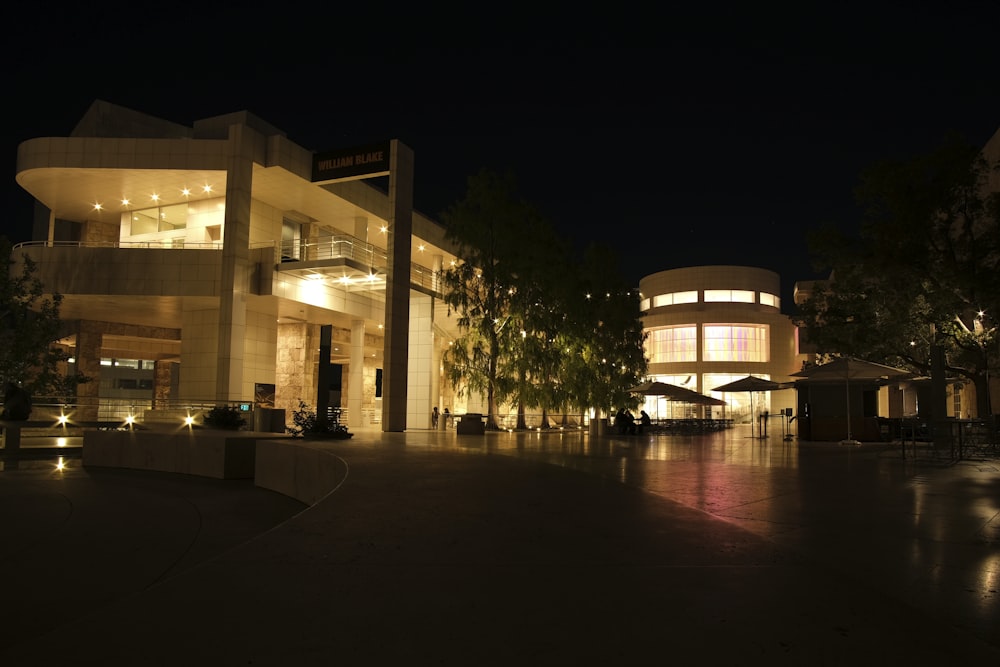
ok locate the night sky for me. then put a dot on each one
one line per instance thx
(678, 137)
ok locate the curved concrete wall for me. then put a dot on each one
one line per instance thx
(300, 469)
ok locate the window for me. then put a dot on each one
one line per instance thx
(672, 344)
(767, 299)
(161, 219)
(675, 298)
(133, 383)
(729, 295)
(736, 342)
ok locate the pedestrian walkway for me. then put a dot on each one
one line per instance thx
(512, 548)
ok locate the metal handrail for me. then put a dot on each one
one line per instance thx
(337, 247)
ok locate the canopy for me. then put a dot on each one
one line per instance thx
(674, 393)
(849, 368)
(845, 369)
(752, 383)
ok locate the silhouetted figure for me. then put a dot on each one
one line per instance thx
(16, 403)
(644, 420)
(447, 418)
(625, 422)
(434, 417)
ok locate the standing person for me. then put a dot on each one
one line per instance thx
(434, 417)
(447, 418)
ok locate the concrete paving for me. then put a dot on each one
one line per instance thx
(530, 549)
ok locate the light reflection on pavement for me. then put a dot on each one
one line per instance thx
(921, 527)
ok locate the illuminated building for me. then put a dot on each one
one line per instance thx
(214, 258)
(710, 325)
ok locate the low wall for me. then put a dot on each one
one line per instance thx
(207, 453)
(294, 468)
(276, 462)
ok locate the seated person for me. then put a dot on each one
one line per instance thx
(625, 422)
(644, 420)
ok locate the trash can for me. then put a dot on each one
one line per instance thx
(471, 423)
(598, 427)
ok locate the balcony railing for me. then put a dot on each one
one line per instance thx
(336, 247)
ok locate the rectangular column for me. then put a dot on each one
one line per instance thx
(397, 289)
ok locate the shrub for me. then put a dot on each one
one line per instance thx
(226, 417)
(304, 420)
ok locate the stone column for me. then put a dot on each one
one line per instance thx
(89, 341)
(163, 372)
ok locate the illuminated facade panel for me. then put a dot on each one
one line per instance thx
(675, 298)
(672, 344)
(729, 296)
(735, 342)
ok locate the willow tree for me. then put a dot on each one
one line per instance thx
(500, 239)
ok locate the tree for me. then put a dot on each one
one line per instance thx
(494, 229)
(603, 336)
(531, 335)
(29, 330)
(922, 277)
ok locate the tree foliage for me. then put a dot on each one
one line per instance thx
(605, 355)
(924, 271)
(528, 332)
(29, 329)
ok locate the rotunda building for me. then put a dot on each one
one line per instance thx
(708, 326)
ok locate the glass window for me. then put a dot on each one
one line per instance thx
(686, 297)
(767, 299)
(144, 222)
(736, 342)
(729, 295)
(672, 344)
(173, 217)
(675, 298)
(162, 219)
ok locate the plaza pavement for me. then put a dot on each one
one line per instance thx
(512, 549)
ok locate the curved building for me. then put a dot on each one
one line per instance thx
(710, 325)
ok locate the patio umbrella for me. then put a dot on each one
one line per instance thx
(673, 393)
(845, 369)
(653, 389)
(750, 384)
